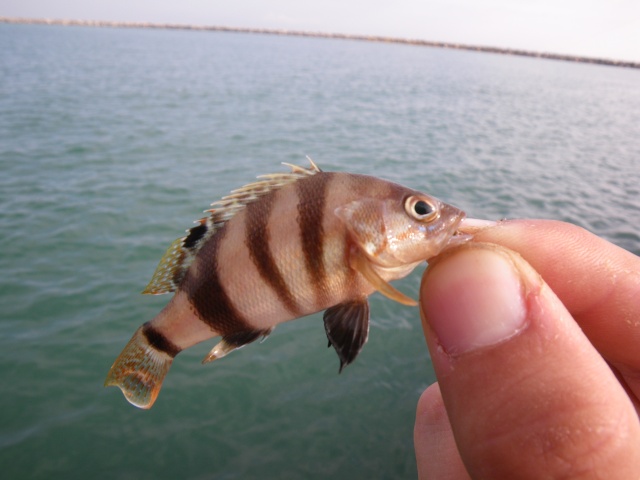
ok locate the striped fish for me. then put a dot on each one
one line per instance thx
(286, 246)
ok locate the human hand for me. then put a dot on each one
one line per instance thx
(537, 357)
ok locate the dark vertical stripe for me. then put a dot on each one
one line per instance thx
(312, 196)
(257, 241)
(159, 341)
(211, 302)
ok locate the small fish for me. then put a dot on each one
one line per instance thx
(285, 246)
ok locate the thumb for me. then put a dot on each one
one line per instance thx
(526, 394)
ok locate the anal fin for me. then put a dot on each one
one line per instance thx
(221, 349)
(233, 341)
(347, 328)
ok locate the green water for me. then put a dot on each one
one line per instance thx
(113, 141)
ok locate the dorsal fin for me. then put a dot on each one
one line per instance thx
(180, 254)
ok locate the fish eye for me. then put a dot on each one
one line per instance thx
(420, 209)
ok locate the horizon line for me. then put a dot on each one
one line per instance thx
(340, 36)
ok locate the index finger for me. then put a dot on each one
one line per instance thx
(598, 282)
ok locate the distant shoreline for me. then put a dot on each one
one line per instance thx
(342, 36)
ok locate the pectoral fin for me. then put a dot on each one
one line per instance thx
(347, 327)
(359, 262)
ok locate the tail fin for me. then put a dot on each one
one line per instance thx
(139, 371)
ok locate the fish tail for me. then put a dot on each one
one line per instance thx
(140, 369)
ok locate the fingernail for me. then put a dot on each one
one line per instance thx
(473, 298)
(474, 225)
(478, 222)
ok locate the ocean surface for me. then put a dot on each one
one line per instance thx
(112, 141)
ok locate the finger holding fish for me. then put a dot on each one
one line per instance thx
(551, 310)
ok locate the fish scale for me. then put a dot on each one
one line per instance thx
(285, 246)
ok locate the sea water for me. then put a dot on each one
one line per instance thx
(112, 141)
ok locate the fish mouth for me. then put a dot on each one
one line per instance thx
(459, 236)
(466, 229)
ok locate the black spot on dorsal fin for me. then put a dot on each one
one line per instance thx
(195, 234)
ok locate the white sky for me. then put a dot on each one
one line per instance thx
(595, 28)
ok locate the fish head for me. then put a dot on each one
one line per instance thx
(402, 229)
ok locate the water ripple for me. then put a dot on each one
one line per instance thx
(114, 141)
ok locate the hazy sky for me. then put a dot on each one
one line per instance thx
(596, 28)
